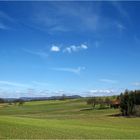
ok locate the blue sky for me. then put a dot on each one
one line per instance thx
(55, 48)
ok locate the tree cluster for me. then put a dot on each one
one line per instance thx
(128, 100)
(102, 102)
(20, 102)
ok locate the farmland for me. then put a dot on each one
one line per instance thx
(69, 119)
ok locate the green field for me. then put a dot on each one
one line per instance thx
(64, 120)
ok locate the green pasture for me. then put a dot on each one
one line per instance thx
(69, 119)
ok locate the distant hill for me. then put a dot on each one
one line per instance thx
(50, 98)
(44, 98)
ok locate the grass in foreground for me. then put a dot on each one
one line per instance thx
(64, 120)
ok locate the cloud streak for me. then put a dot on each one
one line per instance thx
(71, 70)
(120, 9)
(40, 84)
(3, 27)
(136, 84)
(108, 81)
(5, 21)
(14, 84)
(4, 16)
(41, 53)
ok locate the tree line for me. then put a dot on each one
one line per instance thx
(128, 102)
(20, 102)
(103, 102)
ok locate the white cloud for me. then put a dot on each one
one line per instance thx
(136, 84)
(84, 46)
(108, 81)
(101, 92)
(55, 48)
(72, 70)
(74, 48)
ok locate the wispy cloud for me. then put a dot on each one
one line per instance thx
(96, 44)
(16, 89)
(5, 20)
(55, 48)
(74, 17)
(3, 15)
(74, 48)
(137, 40)
(71, 16)
(120, 9)
(108, 81)
(58, 28)
(39, 53)
(120, 27)
(71, 70)
(4, 27)
(29, 92)
(136, 84)
(14, 84)
(40, 84)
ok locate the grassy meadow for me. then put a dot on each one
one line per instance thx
(69, 119)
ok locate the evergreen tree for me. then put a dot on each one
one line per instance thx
(127, 102)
